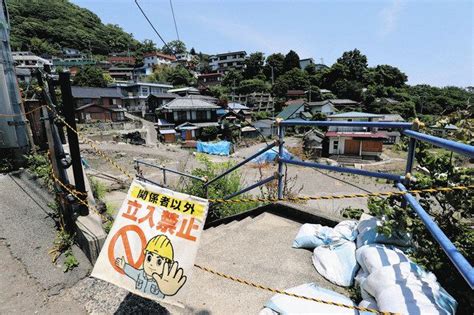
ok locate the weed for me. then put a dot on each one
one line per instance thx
(98, 189)
(40, 166)
(61, 244)
(70, 262)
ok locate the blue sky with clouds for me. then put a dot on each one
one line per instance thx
(431, 41)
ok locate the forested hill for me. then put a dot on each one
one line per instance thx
(44, 26)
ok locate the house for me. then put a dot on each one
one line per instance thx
(95, 112)
(306, 62)
(257, 102)
(313, 143)
(323, 107)
(155, 58)
(393, 135)
(28, 60)
(295, 94)
(23, 75)
(122, 58)
(249, 132)
(121, 73)
(292, 111)
(191, 115)
(267, 127)
(241, 110)
(108, 97)
(71, 53)
(206, 98)
(344, 104)
(136, 95)
(210, 79)
(224, 62)
(185, 91)
(156, 100)
(358, 141)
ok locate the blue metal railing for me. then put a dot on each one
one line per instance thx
(458, 260)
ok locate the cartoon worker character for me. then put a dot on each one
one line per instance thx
(160, 275)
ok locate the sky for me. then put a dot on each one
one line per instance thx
(430, 41)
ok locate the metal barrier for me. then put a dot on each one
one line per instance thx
(408, 129)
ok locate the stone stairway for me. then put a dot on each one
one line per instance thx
(256, 249)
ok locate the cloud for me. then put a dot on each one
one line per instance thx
(389, 17)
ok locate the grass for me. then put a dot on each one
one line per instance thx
(98, 189)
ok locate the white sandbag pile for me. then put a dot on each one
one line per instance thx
(369, 234)
(284, 304)
(334, 250)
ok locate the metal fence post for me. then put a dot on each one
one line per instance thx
(281, 135)
(411, 156)
(164, 177)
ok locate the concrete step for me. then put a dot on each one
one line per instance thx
(258, 250)
(212, 234)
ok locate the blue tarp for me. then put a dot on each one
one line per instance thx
(271, 156)
(218, 148)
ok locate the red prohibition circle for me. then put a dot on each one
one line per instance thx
(123, 235)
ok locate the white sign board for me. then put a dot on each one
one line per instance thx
(151, 248)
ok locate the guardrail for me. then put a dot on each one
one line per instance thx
(408, 129)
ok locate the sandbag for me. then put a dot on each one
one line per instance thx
(284, 304)
(347, 229)
(358, 280)
(406, 288)
(368, 303)
(374, 256)
(336, 262)
(313, 235)
(369, 234)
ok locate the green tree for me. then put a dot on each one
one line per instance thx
(388, 76)
(295, 79)
(174, 47)
(275, 61)
(232, 78)
(180, 76)
(253, 65)
(146, 46)
(192, 51)
(356, 65)
(90, 76)
(292, 60)
(252, 85)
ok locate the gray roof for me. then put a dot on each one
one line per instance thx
(95, 92)
(343, 101)
(392, 117)
(164, 95)
(184, 103)
(355, 115)
(112, 109)
(263, 123)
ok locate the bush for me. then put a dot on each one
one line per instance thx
(225, 186)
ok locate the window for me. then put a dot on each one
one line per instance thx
(201, 115)
(335, 145)
(181, 116)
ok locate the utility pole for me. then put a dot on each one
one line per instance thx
(14, 126)
(273, 80)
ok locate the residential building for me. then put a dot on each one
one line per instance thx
(72, 62)
(121, 73)
(136, 94)
(292, 111)
(94, 113)
(185, 91)
(206, 98)
(28, 60)
(343, 104)
(121, 59)
(313, 141)
(23, 75)
(322, 107)
(267, 127)
(152, 59)
(306, 62)
(295, 94)
(71, 53)
(210, 79)
(156, 100)
(182, 110)
(98, 104)
(355, 141)
(224, 62)
(235, 111)
(393, 135)
(257, 102)
(107, 97)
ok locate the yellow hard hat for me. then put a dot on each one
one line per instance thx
(160, 245)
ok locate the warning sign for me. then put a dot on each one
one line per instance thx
(152, 245)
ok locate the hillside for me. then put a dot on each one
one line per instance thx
(47, 25)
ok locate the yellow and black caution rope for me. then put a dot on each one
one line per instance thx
(277, 291)
(23, 114)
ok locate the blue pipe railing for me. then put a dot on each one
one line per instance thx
(329, 123)
(393, 177)
(461, 148)
(458, 260)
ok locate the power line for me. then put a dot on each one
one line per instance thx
(153, 27)
(174, 19)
